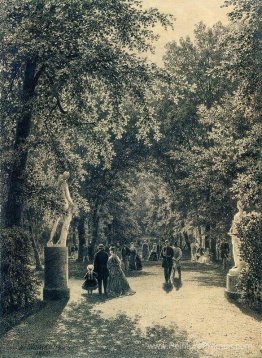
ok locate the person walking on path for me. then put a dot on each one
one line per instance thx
(193, 248)
(100, 267)
(167, 255)
(132, 259)
(145, 250)
(117, 282)
(153, 254)
(176, 261)
(91, 282)
(125, 253)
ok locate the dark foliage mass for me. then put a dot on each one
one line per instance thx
(251, 277)
(19, 287)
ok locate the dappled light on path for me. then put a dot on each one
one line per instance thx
(80, 332)
(191, 318)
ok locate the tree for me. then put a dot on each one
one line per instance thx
(67, 69)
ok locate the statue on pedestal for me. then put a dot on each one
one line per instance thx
(239, 263)
(68, 209)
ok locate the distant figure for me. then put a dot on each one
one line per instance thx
(239, 263)
(67, 212)
(206, 257)
(193, 248)
(132, 258)
(218, 251)
(200, 253)
(145, 250)
(90, 251)
(167, 255)
(85, 254)
(139, 265)
(153, 254)
(176, 260)
(158, 249)
(117, 282)
(91, 282)
(125, 253)
(224, 253)
(100, 267)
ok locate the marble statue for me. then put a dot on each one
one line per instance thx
(238, 262)
(68, 209)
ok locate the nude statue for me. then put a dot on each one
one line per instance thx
(68, 209)
(239, 263)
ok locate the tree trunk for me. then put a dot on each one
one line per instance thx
(81, 237)
(14, 206)
(95, 228)
(38, 265)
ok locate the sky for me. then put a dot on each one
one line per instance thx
(187, 14)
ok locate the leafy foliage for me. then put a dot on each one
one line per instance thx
(19, 286)
(251, 252)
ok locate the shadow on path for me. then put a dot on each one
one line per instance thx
(246, 310)
(167, 287)
(81, 332)
(207, 275)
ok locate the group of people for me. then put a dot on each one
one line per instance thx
(153, 254)
(199, 254)
(106, 274)
(131, 258)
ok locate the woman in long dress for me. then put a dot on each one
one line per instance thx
(117, 282)
(153, 254)
(132, 257)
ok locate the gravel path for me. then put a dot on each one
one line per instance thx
(192, 320)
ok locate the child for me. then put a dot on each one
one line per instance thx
(91, 282)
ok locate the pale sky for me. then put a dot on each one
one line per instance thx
(187, 14)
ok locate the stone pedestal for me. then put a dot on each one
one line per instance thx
(231, 286)
(56, 273)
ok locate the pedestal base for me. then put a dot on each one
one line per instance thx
(231, 288)
(56, 273)
(56, 293)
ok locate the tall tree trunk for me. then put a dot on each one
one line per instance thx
(95, 228)
(81, 237)
(38, 264)
(14, 206)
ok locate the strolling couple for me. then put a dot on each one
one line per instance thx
(110, 274)
(171, 257)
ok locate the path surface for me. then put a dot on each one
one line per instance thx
(192, 320)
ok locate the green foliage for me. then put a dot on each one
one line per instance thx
(19, 286)
(250, 284)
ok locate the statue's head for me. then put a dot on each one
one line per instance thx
(66, 175)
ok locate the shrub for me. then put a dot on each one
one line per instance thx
(19, 286)
(250, 231)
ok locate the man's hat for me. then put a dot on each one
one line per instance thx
(101, 246)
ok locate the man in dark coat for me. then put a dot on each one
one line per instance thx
(167, 255)
(100, 267)
(125, 253)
